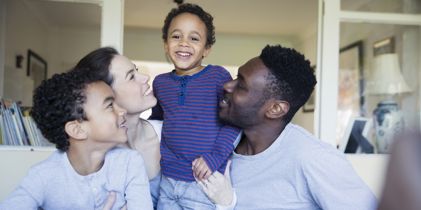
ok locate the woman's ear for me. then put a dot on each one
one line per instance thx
(75, 130)
(277, 109)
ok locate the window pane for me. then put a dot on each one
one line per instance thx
(378, 80)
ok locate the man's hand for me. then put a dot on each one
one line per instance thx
(201, 169)
(109, 203)
(218, 187)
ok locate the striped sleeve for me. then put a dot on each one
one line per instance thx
(227, 134)
(223, 147)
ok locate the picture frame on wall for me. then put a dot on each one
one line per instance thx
(384, 46)
(36, 68)
(350, 86)
(309, 105)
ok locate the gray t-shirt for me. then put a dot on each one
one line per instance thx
(54, 184)
(298, 171)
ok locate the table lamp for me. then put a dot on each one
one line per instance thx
(387, 81)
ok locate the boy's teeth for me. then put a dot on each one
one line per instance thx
(183, 54)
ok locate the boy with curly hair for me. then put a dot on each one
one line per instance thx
(76, 112)
(194, 144)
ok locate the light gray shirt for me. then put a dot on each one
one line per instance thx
(298, 171)
(54, 184)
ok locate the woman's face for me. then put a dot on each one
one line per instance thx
(131, 88)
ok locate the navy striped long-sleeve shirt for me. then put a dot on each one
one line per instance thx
(191, 128)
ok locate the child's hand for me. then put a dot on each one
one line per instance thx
(201, 169)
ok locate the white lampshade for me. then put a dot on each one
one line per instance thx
(386, 77)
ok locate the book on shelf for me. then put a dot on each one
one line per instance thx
(17, 128)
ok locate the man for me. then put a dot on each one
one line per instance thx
(278, 165)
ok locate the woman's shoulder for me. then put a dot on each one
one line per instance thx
(156, 125)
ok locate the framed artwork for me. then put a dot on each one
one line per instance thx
(384, 46)
(36, 68)
(351, 86)
(309, 105)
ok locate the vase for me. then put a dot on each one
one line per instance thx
(388, 122)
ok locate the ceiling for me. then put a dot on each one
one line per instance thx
(266, 17)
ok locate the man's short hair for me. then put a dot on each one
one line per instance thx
(292, 78)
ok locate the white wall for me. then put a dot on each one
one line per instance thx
(23, 31)
(62, 46)
(229, 49)
(2, 42)
(67, 45)
(307, 46)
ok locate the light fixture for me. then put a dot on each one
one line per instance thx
(387, 81)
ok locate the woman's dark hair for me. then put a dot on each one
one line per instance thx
(59, 100)
(195, 10)
(99, 62)
(292, 78)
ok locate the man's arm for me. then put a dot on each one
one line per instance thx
(334, 184)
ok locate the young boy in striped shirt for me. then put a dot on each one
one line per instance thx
(194, 143)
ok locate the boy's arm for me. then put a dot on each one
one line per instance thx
(223, 147)
(227, 134)
(137, 193)
(27, 195)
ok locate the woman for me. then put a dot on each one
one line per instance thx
(134, 94)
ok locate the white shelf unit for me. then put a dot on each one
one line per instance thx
(15, 162)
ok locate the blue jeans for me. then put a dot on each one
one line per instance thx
(176, 195)
(154, 185)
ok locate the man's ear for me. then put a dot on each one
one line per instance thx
(75, 130)
(277, 109)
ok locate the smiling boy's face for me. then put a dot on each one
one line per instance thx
(106, 122)
(186, 43)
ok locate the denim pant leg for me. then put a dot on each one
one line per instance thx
(154, 185)
(195, 199)
(167, 198)
(182, 195)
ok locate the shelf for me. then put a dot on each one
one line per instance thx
(26, 148)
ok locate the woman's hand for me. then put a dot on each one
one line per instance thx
(218, 187)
